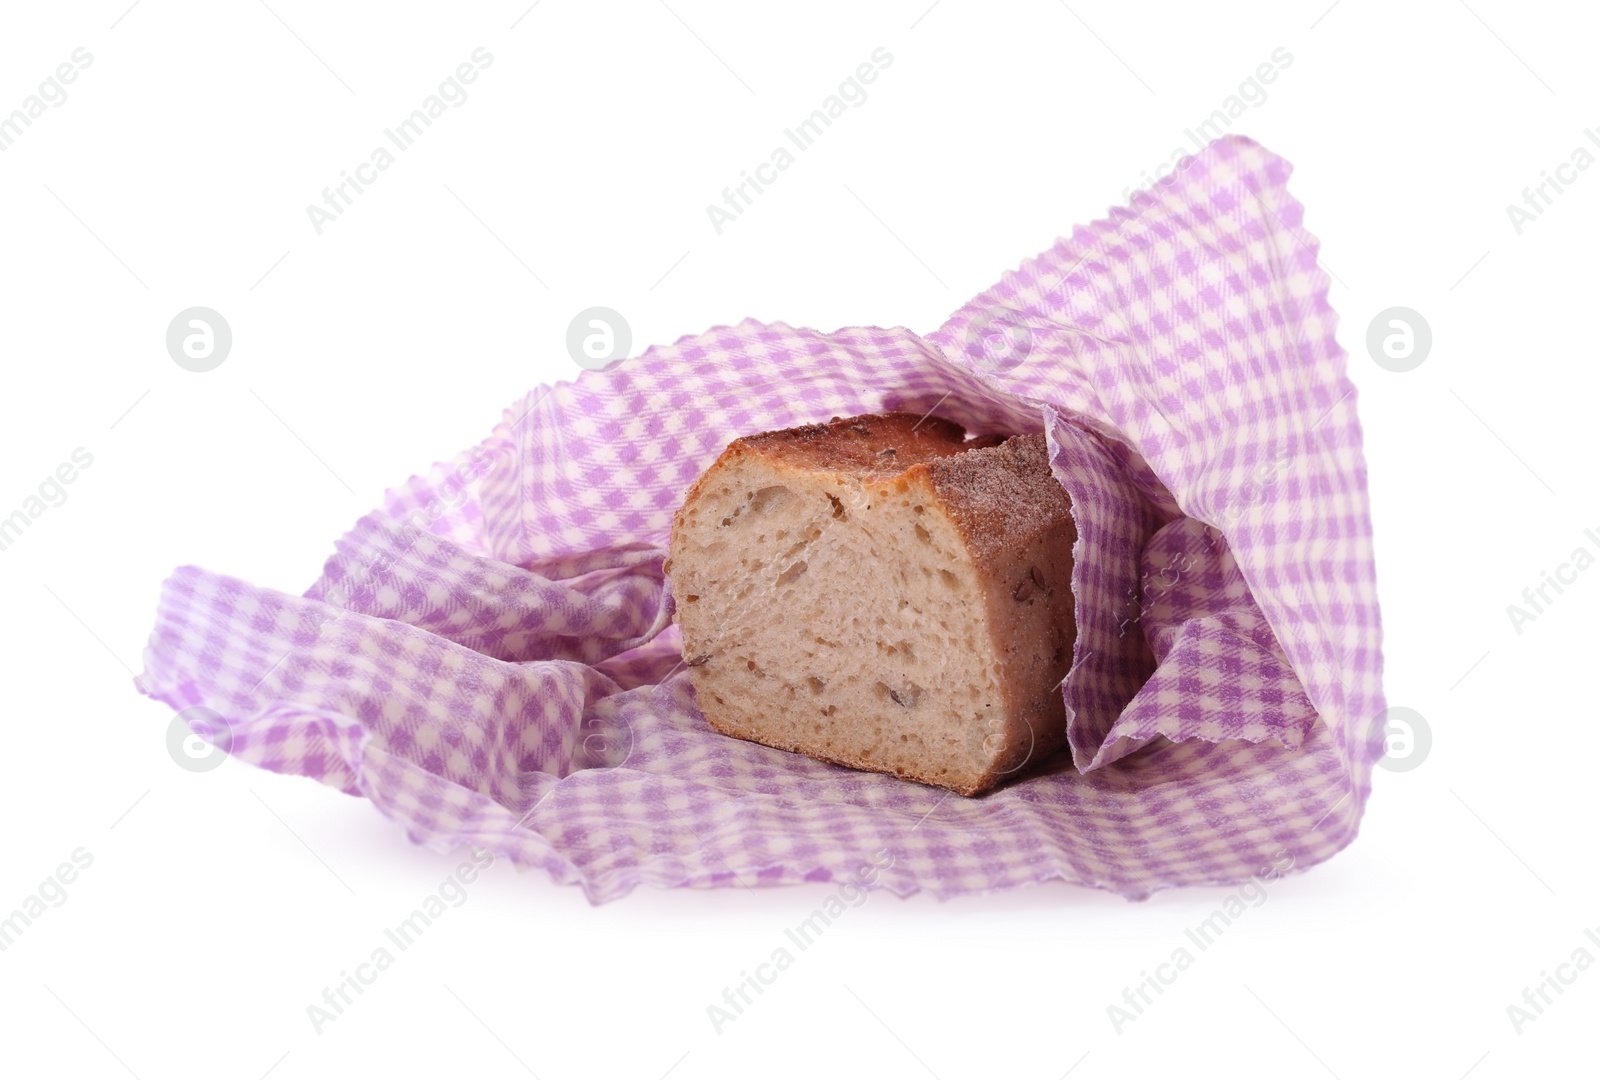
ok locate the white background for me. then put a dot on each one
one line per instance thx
(220, 904)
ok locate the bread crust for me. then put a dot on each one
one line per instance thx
(875, 446)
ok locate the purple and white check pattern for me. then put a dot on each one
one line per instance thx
(489, 657)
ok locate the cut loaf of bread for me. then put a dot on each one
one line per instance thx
(880, 592)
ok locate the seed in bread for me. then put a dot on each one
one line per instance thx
(880, 592)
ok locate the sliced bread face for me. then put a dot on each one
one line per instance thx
(879, 592)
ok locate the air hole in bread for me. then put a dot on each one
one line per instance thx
(789, 576)
(769, 497)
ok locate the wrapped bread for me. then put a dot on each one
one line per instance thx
(883, 593)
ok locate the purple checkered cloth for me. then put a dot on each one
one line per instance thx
(489, 657)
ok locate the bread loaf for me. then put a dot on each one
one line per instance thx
(880, 592)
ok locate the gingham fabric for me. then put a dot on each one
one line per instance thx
(489, 657)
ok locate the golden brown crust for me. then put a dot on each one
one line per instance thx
(877, 446)
(1016, 521)
(1001, 497)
